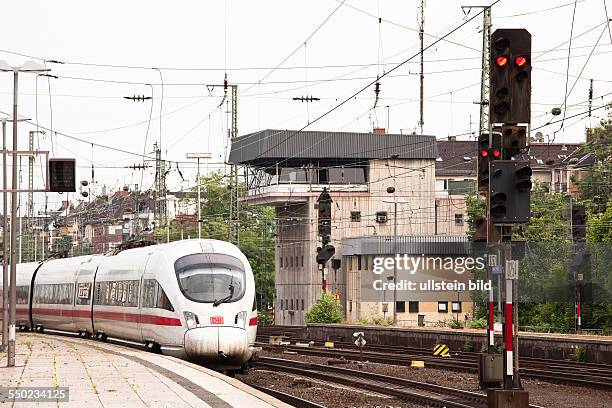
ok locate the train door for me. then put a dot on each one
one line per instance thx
(147, 296)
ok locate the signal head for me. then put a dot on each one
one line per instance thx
(521, 61)
(484, 153)
(496, 153)
(501, 61)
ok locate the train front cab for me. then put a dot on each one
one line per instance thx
(218, 290)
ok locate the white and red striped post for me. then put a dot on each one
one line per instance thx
(491, 326)
(509, 331)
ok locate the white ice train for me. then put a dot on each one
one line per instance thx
(192, 299)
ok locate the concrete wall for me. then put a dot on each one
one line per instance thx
(552, 346)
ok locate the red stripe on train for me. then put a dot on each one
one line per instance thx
(119, 316)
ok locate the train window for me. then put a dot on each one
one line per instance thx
(149, 297)
(162, 300)
(211, 278)
(23, 294)
(83, 293)
(254, 303)
(54, 293)
(117, 293)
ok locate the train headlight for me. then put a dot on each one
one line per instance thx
(191, 319)
(241, 319)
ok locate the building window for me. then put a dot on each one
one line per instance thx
(286, 262)
(302, 304)
(281, 304)
(291, 308)
(442, 307)
(355, 216)
(400, 307)
(413, 307)
(458, 219)
(381, 217)
(296, 261)
(350, 306)
(281, 261)
(358, 262)
(456, 307)
(302, 261)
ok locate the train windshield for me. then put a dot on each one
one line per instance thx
(211, 278)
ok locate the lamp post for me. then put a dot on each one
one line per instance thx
(199, 156)
(395, 201)
(34, 68)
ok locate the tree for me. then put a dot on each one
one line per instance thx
(596, 185)
(325, 310)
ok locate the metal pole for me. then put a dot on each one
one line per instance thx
(5, 277)
(13, 295)
(422, 76)
(395, 262)
(199, 206)
(19, 214)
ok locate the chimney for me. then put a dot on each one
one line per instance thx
(452, 138)
(378, 131)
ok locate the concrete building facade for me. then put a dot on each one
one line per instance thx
(289, 170)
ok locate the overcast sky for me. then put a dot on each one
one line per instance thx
(249, 38)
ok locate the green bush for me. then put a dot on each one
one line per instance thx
(476, 324)
(362, 320)
(325, 310)
(453, 324)
(264, 318)
(468, 346)
(581, 354)
(382, 321)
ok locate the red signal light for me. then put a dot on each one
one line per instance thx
(484, 153)
(521, 61)
(502, 61)
(496, 153)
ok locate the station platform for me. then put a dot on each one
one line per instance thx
(108, 375)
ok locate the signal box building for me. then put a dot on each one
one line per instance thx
(289, 170)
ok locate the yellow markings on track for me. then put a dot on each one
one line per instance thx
(441, 350)
(417, 363)
(329, 344)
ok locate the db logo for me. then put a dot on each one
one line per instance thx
(216, 320)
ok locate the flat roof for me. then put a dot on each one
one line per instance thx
(269, 146)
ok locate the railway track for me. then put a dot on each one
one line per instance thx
(591, 375)
(400, 388)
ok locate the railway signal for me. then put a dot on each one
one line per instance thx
(485, 155)
(510, 79)
(514, 140)
(510, 192)
(324, 225)
(578, 222)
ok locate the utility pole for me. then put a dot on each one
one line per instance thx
(422, 76)
(199, 156)
(30, 206)
(232, 132)
(484, 124)
(160, 190)
(590, 97)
